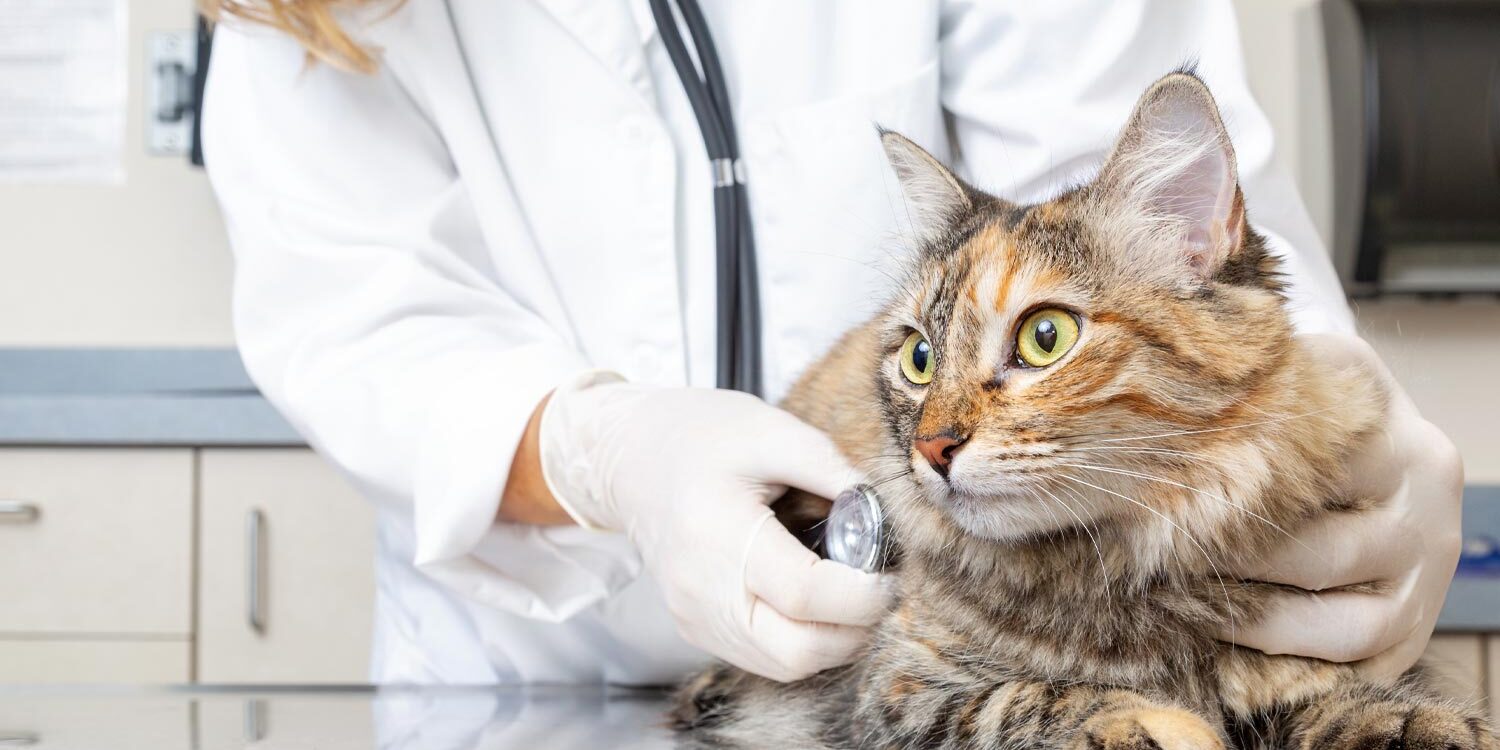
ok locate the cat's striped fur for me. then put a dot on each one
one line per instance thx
(1063, 586)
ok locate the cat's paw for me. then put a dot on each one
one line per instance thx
(1392, 724)
(1149, 728)
(706, 698)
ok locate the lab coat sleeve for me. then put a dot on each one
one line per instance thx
(1035, 93)
(369, 310)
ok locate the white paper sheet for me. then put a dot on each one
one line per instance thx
(62, 90)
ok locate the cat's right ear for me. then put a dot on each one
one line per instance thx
(935, 197)
(1172, 183)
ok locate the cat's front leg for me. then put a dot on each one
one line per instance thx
(904, 711)
(1137, 723)
(1358, 716)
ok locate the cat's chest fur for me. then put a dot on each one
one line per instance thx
(1047, 612)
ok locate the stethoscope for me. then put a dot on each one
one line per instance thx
(738, 352)
(854, 533)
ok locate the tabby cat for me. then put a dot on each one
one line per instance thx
(1079, 413)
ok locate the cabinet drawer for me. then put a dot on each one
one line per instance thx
(273, 721)
(31, 662)
(96, 541)
(286, 581)
(90, 722)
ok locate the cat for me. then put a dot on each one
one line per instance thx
(1079, 414)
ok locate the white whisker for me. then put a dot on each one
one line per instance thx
(1221, 429)
(1221, 498)
(1228, 606)
(1103, 569)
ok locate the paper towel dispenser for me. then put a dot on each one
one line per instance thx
(1414, 89)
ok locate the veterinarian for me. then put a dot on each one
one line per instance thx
(460, 220)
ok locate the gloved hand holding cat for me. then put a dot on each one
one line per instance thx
(1407, 544)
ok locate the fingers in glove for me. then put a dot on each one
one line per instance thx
(1342, 549)
(1393, 662)
(1337, 626)
(797, 583)
(797, 649)
(796, 454)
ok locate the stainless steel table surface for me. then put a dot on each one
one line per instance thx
(523, 718)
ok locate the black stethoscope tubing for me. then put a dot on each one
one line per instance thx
(738, 303)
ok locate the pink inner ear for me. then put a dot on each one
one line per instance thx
(1198, 190)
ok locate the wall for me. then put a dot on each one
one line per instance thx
(143, 263)
(1445, 353)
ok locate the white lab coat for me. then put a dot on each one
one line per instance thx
(521, 193)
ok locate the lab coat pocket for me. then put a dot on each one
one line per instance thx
(828, 209)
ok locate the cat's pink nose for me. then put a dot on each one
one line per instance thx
(939, 449)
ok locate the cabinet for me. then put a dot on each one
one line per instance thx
(62, 721)
(96, 543)
(96, 564)
(286, 583)
(299, 720)
(173, 565)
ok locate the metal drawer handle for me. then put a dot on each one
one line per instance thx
(255, 721)
(255, 541)
(12, 511)
(18, 739)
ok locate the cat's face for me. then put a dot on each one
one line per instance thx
(1040, 355)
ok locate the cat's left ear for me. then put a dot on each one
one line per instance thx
(935, 197)
(1171, 180)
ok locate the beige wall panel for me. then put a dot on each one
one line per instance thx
(143, 263)
(1492, 673)
(1447, 357)
(1458, 665)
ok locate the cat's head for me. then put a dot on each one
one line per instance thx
(1038, 353)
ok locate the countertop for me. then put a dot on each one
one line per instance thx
(151, 397)
(530, 718)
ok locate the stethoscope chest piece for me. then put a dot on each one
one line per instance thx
(855, 534)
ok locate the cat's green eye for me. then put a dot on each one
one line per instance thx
(1045, 336)
(916, 359)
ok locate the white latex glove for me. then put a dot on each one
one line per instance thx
(1410, 544)
(688, 474)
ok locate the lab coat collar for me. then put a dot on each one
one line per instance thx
(615, 33)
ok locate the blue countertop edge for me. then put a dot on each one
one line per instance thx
(144, 420)
(1473, 603)
(134, 397)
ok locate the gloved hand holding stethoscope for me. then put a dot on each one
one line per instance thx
(688, 474)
